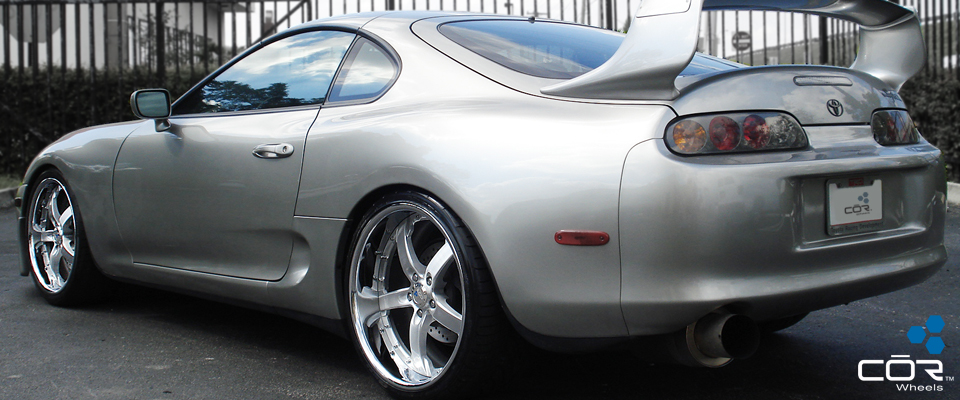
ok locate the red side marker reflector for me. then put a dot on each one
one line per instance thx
(582, 238)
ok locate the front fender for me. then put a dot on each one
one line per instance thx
(86, 159)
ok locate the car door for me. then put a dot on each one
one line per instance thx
(216, 192)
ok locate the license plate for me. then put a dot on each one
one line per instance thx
(855, 206)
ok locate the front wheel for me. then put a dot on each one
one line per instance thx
(423, 307)
(61, 265)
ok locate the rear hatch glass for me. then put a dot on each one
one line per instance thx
(551, 50)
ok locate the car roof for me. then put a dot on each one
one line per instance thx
(357, 20)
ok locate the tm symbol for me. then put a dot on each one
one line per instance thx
(948, 378)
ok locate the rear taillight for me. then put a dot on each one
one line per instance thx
(688, 137)
(893, 127)
(756, 132)
(735, 133)
(724, 133)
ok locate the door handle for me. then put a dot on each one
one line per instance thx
(279, 150)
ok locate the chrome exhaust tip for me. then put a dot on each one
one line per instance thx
(712, 341)
(721, 335)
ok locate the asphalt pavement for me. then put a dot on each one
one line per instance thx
(149, 344)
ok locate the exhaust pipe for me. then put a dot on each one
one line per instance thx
(726, 336)
(713, 341)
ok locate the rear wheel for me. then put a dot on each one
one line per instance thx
(61, 266)
(423, 308)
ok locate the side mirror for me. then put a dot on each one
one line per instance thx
(152, 104)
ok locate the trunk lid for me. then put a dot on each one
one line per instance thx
(815, 95)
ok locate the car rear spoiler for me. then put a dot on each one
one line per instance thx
(663, 39)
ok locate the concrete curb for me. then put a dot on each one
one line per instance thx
(953, 194)
(7, 195)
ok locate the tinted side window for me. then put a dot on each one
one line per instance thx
(543, 49)
(367, 73)
(293, 71)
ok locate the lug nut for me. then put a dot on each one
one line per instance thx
(429, 280)
(416, 277)
(433, 304)
(419, 313)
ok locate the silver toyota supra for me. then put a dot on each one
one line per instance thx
(438, 186)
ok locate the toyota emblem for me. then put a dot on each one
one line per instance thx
(835, 108)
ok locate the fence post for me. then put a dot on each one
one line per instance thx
(161, 46)
(824, 42)
(609, 15)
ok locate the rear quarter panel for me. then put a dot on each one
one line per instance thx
(516, 168)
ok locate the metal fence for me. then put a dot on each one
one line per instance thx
(201, 35)
(71, 63)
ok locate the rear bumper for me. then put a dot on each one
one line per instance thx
(749, 233)
(777, 296)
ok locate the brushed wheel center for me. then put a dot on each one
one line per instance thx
(419, 297)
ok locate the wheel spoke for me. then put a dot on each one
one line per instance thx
(49, 269)
(69, 248)
(67, 255)
(447, 316)
(367, 306)
(419, 332)
(395, 299)
(408, 257)
(65, 217)
(56, 254)
(440, 260)
(42, 236)
(41, 249)
(52, 206)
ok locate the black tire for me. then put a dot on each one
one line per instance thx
(390, 301)
(768, 327)
(60, 262)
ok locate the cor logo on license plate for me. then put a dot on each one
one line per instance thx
(855, 205)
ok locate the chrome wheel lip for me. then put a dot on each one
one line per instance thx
(423, 304)
(52, 235)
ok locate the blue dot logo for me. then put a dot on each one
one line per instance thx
(916, 334)
(934, 325)
(864, 198)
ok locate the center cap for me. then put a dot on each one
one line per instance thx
(420, 298)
